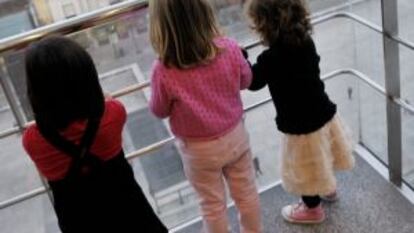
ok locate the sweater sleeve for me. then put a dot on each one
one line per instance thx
(245, 71)
(259, 73)
(160, 102)
(28, 136)
(117, 111)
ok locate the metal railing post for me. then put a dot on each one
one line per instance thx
(392, 86)
(7, 86)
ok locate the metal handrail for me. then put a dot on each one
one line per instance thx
(123, 9)
(118, 11)
(76, 24)
(158, 145)
(23, 197)
(9, 132)
(122, 92)
(321, 18)
(130, 89)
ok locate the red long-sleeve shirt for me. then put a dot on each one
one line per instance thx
(54, 164)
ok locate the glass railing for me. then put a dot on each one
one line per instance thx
(405, 14)
(121, 51)
(7, 120)
(407, 94)
(35, 215)
(407, 115)
(373, 121)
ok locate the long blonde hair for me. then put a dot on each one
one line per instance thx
(182, 32)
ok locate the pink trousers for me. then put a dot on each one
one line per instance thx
(208, 164)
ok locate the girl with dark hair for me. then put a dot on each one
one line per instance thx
(314, 142)
(76, 144)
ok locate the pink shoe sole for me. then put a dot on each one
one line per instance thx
(306, 222)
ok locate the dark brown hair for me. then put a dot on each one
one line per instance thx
(274, 20)
(182, 32)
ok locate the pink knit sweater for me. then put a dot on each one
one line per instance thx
(202, 102)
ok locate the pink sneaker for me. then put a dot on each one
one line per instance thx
(300, 213)
(332, 197)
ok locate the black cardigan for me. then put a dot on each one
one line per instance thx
(293, 77)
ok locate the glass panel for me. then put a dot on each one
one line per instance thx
(32, 216)
(120, 45)
(17, 172)
(265, 143)
(368, 9)
(121, 53)
(344, 91)
(407, 74)
(408, 146)
(7, 119)
(368, 44)
(373, 121)
(368, 59)
(124, 77)
(13, 72)
(231, 17)
(161, 176)
(405, 10)
(333, 36)
(321, 5)
(405, 17)
(345, 44)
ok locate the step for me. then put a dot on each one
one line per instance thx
(368, 203)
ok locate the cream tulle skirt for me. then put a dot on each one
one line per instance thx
(309, 161)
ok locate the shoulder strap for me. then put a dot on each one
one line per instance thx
(73, 150)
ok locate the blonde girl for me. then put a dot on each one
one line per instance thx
(196, 82)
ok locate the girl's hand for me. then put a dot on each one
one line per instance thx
(245, 53)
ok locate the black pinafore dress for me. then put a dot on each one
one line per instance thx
(99, 196)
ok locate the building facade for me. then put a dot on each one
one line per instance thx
(49, 11)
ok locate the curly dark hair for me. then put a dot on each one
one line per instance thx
(280, 19)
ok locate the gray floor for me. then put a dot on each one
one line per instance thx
(368, 204)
